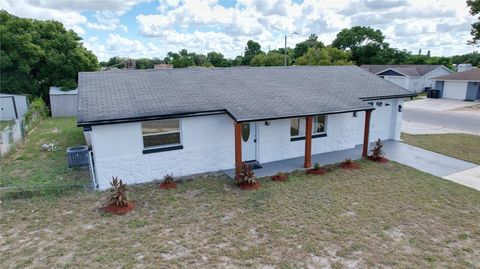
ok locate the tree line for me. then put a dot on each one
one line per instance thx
(357, 45)
(35, 55)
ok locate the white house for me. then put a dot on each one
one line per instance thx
(415, 78)
(461, 86)
(144, 124)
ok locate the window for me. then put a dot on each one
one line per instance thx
(161, 133)
(295, 127)
(245, 131)
(319, 125)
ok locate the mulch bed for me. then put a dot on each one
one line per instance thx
(119, 210)
(379, 160)
(279, 178)
(314, 171)
(167, 186)
(250, 186)
(351, 166)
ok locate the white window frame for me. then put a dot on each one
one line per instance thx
(324, 127)
(168, 145)
(301, 126)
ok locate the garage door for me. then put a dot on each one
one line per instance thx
(380, 122)
(455, 90)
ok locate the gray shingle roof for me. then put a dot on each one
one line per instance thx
(245, 93)
(471, 75)
(406, 69)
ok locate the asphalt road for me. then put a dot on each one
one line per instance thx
(470, 123)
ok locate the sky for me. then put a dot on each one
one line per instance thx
(151, 28)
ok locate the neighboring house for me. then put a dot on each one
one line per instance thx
(415, 78)
(163, 66)
(462, 86)
(144, 124)
(12, 106)
(63, 103)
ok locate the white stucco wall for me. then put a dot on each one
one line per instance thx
(398, 80)
(208, 143)
(437, 72)
(343, 131)
(455, 90)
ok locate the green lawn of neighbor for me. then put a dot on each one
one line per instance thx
(461, 146)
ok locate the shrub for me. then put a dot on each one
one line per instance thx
(316, 166)
(347, 162)
(280, 176)
(118, 195)
(377, 151)
(245, 175)
(168, 179)
(36, 112)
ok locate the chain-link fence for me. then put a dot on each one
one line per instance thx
(28, 178)
(14, 132)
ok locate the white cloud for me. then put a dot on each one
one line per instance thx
(441, 26)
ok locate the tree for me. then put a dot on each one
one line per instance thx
(272, 58)
(302, 47)
(217, 59)
(181, 59)
(475, 31)
(325, 56)
(364, 43)
(35, 55)
(251, 50)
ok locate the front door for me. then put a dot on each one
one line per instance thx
(249, 139)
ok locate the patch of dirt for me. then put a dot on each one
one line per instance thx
(192, 193)
(395, 233)
(177, 252)
(349, 214)
(55, 130)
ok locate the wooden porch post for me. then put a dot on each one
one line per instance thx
(366, 133)
(238, 144)
(308, 142)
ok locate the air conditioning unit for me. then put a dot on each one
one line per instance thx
(78, 156)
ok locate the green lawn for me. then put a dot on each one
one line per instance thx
(461, 146)
(380, 216)
(29, 166)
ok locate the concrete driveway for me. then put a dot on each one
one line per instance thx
(433, 116)
(449, 168)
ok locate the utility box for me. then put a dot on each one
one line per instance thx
(78, 156)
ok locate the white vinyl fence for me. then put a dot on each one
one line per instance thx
(11, 135)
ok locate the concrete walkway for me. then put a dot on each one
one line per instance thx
(459, 171)
(469, 178)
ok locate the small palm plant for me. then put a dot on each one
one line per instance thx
(244, 175)
(168, 179)
(118, 193)
(316, 166)
(377, 151)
